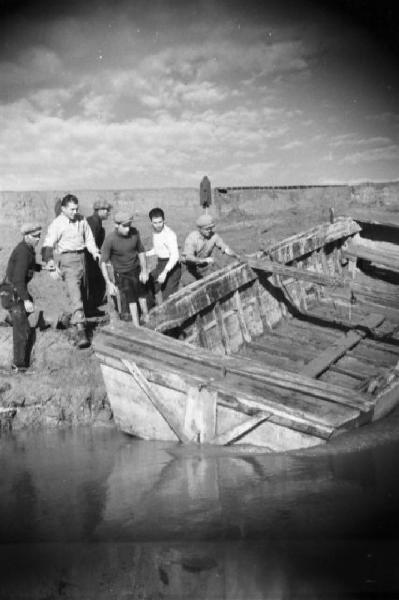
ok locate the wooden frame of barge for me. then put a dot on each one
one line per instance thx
(284, 351)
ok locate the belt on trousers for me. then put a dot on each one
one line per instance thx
(72, 252)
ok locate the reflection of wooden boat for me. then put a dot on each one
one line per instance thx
(285, 351)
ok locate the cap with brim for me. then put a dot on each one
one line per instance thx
(101, 204)
(31, 228)
(205, 221)
(122, 218)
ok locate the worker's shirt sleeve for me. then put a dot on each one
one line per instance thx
(220, 243)
(171, 244)
(140, 247)
(51, 240)
(89, 239)
(106, 250)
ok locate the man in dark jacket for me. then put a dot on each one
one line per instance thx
(94, 280)
(20, 269)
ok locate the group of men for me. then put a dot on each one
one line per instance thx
(93, 265)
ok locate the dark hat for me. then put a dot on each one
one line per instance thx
(122, 217)
(30, 227)
(99, 204)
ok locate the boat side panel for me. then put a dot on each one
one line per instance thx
(133, 412)
(386, 400)
(306, 242)
(270, 435)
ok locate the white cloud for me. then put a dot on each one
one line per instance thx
(385, 153)
(352, 139)
(292, 144)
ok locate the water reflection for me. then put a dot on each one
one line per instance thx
(100, 515)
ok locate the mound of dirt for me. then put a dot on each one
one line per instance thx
(64, 386)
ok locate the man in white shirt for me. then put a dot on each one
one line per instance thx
(69, 234)
(167, 273)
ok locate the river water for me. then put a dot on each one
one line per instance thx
(98, 515)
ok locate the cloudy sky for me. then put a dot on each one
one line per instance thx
(154, 93)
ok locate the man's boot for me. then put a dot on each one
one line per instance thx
(81, 337)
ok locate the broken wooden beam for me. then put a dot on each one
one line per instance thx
(321, 363)
(387, 259)
(268, 266)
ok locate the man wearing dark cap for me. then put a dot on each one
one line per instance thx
(69, 234)
(123, 250)
(20, 269)
(200, 245)
(94, 281)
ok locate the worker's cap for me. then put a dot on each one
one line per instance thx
(99, 204)
(205, 221)
(31, 228)
(122, 217)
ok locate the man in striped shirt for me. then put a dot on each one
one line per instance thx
(167, 273)
(69, 234)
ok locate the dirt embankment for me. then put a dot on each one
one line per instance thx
(65, 386)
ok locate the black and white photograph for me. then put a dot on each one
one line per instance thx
(199, 300)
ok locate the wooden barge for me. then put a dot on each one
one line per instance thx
(287, 350)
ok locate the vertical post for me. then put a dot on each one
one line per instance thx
(135, 313)
(144, 308)
(224, 336)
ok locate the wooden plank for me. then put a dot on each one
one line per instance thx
(349, 324)
(283, 346)
(376, 356)
(289, 408)
(200, 415)
(270, 358)
(273, 376)
(306, 242)
(241, 317)
(155, 400)
(227, 437)
(318, 365)
(224, 336)
(280, 269)
(200, 295)
(338, 369)
(201, 356)
(373, 254)
(201, 333)
(235, 397)
(262, 310)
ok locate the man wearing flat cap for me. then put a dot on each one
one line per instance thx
(124, 251)
(16, 297)
(199, 247)
(95, 287)
(69, 234)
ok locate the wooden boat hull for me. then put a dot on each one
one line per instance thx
(260, 353)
